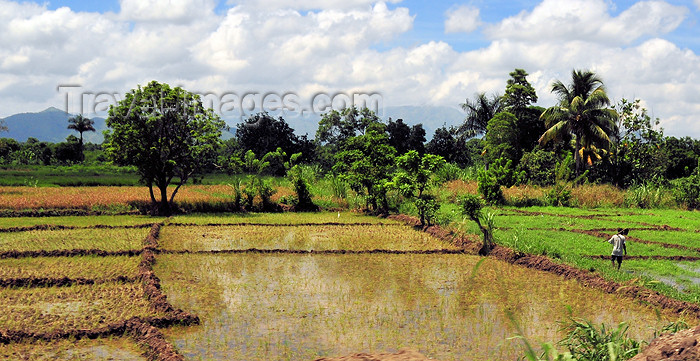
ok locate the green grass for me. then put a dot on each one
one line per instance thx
(118, 239)
(540, 234)
(688, 220)
(330, 305)
(688, 239)
(96, 268)
(68, 176)
(80, 175)
(322, 237)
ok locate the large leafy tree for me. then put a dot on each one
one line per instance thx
(501, 138)
(365, 162)
(336, 127)
(582, 112)
(166, 133)
(263, 134)
(479, 112)
(518, 100)
(414, 177)
(405, 138)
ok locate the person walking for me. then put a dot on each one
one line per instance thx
(619, 247)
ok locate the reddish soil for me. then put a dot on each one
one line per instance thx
(325, 251)
(402, 355)
(68, 253)
(271, 225)
(6, 213)
(57, 282)
(681, 346)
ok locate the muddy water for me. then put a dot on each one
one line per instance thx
(301, 307)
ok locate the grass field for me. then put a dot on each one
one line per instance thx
(574, 236)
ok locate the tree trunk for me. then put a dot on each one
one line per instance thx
(577, 156)
(150, 191)
(164, 207)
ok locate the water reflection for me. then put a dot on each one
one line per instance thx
(270, 307)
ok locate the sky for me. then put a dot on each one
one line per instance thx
(309, 55)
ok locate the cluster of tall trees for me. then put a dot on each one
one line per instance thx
(170, 137)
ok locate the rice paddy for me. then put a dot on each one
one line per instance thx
(301, 307)
(309, 285)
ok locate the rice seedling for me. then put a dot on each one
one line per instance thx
(116, 349)
(279, 218)
(89, 267)
(43, 310)
(79, 221)
(118, 239)
(328, 237)
(258, 307)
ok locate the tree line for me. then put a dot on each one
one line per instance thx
(169, 136)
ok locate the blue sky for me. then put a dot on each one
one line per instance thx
(430, 15)
(411, 52)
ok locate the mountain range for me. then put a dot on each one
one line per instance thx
(51, 124)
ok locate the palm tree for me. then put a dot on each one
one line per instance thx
(479, 112)
(582, 112)
(81, 124)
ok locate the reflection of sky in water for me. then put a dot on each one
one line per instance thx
(306, 306)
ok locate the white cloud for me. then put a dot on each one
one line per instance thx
(462, 19)
(277, 45)
(178, 11)
(697, 3)
(303, 5)
(589, 20)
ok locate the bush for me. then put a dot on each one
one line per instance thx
(448, 172)
(647, 196)
(489, 187)
(587, 342)
(537, 167)
(687, 190)
(505, 173)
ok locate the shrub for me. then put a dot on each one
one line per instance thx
(505, 173)
(687, 190)
(537, 167)
(647, 195)
(471, 208)
(489, 188)
(448, 172)
(587, 342)
(298, 175)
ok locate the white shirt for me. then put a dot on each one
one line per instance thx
(618, 242)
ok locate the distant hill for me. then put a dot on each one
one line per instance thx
(49, 125)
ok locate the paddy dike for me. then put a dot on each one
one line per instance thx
(145, 330)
